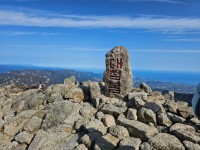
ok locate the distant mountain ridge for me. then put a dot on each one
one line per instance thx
(32, 77)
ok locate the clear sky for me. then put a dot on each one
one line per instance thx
(159, 34)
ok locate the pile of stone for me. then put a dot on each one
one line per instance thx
(97, 116)
(80, 116)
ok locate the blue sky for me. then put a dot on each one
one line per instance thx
(159, 34)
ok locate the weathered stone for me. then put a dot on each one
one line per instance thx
(55, 97)
(30, 99)
(146, 88)
(146, 116)
(24, 137)
(21, 147)
(185, 132)
(168, 95)
(171, 106)
(107, 142)
(156, 97)
(95, 125)
(163, 120)
(181, 104)
(9, 146)
(155, 107)
(82, 121)
(90, 138)
(132, 114)
(180, 126)
(175, 119)
(191, 146)
(118, 75)
(141, 95)
(95, 90)
(81, 147)
(12, 127)
(137, 129)
(163, 141)
(108, 120)
(113, 110)
(99, 115)
(87, 110)
(119, 131)
(185, 112)
(194, 121)
(54, 141)
(129, 143)
(76, 95)
(145, 146)
(33, 125)
(70, 82)
(63, 112)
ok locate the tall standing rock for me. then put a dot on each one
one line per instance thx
(118, 75)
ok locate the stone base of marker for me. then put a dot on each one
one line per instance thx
(118, 75)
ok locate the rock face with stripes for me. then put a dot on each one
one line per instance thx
(118, 75)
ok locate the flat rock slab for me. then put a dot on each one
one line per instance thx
(163, 141)
(54, 141)
(118, 75)
(137, 129)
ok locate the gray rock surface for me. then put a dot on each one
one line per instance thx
(146, 116)
(59, 120)
(145, 146)
(24, 137)
(113, 110)
(129, 143)
(108, 120)
(185, 132)
(118, 75)
(33, 125)
(163, 141)
(55, 141)
(90, 138)
(137, 129)
(107, 142)
(191, 146)
(131, 114)
(119, 131)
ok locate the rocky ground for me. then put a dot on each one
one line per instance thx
(78, 116)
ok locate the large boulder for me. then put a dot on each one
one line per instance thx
(118, 75)
(146, 116)
(64, 112)
(55, 141)
(12, 127)
(185, 132)
(137, 129)
(191, 146)
(30, 99)
(163, 141)
(113, 110)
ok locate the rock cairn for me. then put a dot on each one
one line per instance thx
(118, 75)
(74, 116)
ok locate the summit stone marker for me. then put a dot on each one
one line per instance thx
(118, 75)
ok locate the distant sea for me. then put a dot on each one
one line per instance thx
(190, 78)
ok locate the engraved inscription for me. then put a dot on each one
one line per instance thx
(115, 74)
